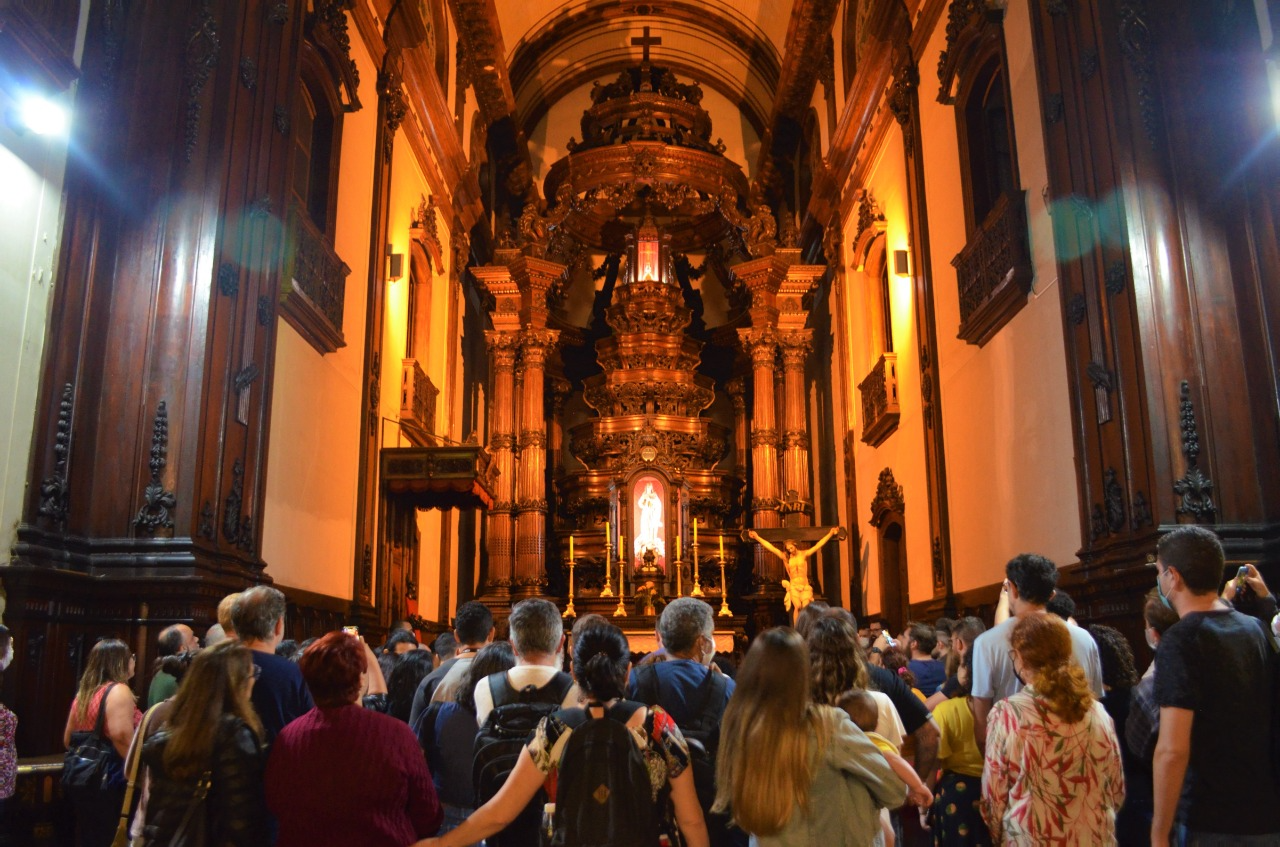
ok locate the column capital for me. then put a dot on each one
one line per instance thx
(796, 346)
(761, 343)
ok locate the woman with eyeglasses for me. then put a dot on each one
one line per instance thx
(103, 704)
(203, 770)
(1052, 770)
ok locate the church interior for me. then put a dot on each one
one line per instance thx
(396, 304)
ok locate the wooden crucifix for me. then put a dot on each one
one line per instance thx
(644, 41)
(799, 590)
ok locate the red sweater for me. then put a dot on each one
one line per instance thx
(349, 776)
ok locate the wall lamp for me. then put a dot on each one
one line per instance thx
(900, 263)
(395, 265)
(40, 116)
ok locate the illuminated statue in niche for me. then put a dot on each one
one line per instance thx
(649, 533)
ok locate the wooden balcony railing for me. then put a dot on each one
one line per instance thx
(994, 271)
(314, 289)
(417, 403)
(880, 409)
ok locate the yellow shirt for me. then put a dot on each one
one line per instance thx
(882, 743)
(957, 748)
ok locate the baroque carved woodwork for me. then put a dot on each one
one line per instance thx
(313, 289)
(880, 409)
(993, 271)
(888, 499)
(159, 502)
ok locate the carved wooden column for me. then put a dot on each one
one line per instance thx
(531, 474)
(777, 284)
(502, 421)
(762, 346)
(797, 497)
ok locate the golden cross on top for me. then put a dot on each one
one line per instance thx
(644, 41)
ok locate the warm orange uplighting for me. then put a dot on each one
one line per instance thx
(648, 266)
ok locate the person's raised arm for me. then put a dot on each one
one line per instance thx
(1002, 605)
(1169, 767)
(377, 682)
(684, 797)
(751, 533)
(512, 797)
(831, 533)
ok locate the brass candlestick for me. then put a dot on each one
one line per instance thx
(679, 577)
(622, 586)
(569, 611)
(608, 554)
(697, 583)
(725, 611)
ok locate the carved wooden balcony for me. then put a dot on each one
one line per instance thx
(314, 288)
(994, 271)
(417, 403)
(460, 476)
(880, 409)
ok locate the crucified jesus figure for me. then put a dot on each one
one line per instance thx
(799, 591)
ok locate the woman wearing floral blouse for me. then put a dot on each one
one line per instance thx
(1053, 773)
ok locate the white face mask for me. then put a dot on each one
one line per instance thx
(1151, 640)
(7, 658)
(865, 641)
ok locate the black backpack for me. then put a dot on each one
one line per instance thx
(603, 794)
(703, 737)
(501, 742)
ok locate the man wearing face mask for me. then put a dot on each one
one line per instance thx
(1143, 724)
(694, 692)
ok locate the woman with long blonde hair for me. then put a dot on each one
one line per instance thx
(204, 769)
(103, 698)
(1052, 772)
(793, 772)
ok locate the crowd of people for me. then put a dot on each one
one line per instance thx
(1031, 731)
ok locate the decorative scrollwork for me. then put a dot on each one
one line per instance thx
(202, 55)
(159, 502)
(888, 499)
(54, 492)
(1194, 488)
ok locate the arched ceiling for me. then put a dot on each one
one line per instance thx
(733, 48)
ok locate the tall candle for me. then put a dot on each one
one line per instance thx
(619, 546)
(607, 533)
(721, 545)
(570, 548)
(695, 532)
(677, 548)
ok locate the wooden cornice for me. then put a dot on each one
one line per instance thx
(887, 27)
(807, 33)
(430, 128)
(481, 37)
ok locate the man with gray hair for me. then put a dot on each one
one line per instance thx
(537, 639)
(280, 694)
(695, 694)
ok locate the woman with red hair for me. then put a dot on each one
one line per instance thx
(342, 774)
(1053, 772)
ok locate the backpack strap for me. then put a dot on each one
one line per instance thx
(645, 680)
(711, 704)
(100, 722)
(559, 686)
(501, 691)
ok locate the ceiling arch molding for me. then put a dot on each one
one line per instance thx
(570, 50)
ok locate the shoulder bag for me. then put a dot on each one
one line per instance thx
(92, 764)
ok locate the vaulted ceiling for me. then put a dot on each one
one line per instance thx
(761, 56)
